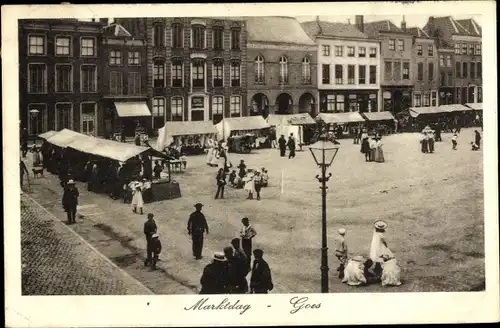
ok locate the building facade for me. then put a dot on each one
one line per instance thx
(425, 68)
(59, 74)
(348, 67)
(281, 67)
(396, 48)
(446, 90)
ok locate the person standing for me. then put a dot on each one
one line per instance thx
(282, 145)
(24, 142)
(341, 252)
(260, 281)
(197, 226)
(214, 278)
(240, 254)
(291, 146)
(155, 249)
(242, 169)
(379, 246)
(379, 151)
(137, 200)
(137, 139)
(257, 180)
(70, 201)
(249, 184)
(23, 170)
(221, 182)
(477, 138)
(373, 149)
(247, 233)
(454, 141)
(424, 142)
(365, 145)
(430, 141)
(150, 229)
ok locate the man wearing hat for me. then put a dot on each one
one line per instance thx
(70, 201)
(261, 281)
(150, 229)
(197, 226)
(214, 278)
(341, 252)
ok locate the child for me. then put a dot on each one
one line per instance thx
(354, 272)
(157, 169)
(341, 252)
(454, 140)
(232, 177)
(391, 271)
(137, 201)
(265, 177)
(183, 159)
(156, 250)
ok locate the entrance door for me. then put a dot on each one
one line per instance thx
(88, 119)
(398, 101)
(63, 116)
(198, 108)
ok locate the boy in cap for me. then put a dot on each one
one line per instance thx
(197, 226)
(155, 247)
(341, 252)
(150, 229)
(70, 201)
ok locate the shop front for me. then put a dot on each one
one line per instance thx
(446, 95)
(198, 107)
(396, 99)
(338, 101)
(126, 117)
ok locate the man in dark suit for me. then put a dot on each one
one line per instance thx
(221, 182)
(261, 281)
(291, 146)
(282, 145)
(197, 226)
(70, 201)
(150, 229)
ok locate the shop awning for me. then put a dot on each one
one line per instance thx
(132, 109)
(290, 119)
(47, 134)
(379, 116)
(246, 123)
(415, 111)
(349, 117)
(455, 108)
(189, 128)
(115, 150)
(65, 137)
(475, 106)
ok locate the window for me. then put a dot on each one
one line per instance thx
(464, 69)
(259, 69)
(63, 46)
(325, 74)
(457, 48)
(388, 70)
(217, 109)
(431, 72)
(427, 99)
(464, 48)
(339, 103)
(198, 37)
(115, 83)
(458, 95)
(450, 79)
(88, 119)
(63, 116)
(177, 36)
(235, 73)
(64, 78)
(361, 52)
(373, 52)
(88, 78)
(134, 58)
(325, 50)
(283, 69)
(418, 100)
(330, 103)
(479, 94)
(441, 60)
(458, 69)
(433, 98)
(176, 109)
(235, 106)
(36, 45)
(479, 70)
(198, 73)
(392, 44)
(159, 106)
(472, 70)
(419, 50)
(177, 72)
(401, 45)
(339, 74)
(448, 60)
(442, 79)
(158, 73)
(87, 48)
(38, 123)
(235, 38)
(115, 57)
(353, 103)
(373, 74)
(430, 50)
(362, 74)
(218, 35)
(134, 83)
(471, 49)
(420, 71)
(218, 73)
(339, 51)
(350, 51)
(158, 35)
(406, 71)
(396, 73)
(350, 74)
(306, 70)
(477, 51)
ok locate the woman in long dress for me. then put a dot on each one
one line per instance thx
(373, 149)
(137, 200)
(379, 152)
(36, 156)
(391, 272)
(249, 185)
(210, 152)
(365, 145)
(379, 246)
(354, 272)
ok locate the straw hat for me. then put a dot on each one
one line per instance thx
(341, 231)
(380, 224)
(71, 182)
(220, 257)
(155, 235)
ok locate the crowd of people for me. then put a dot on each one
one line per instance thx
(372, 147)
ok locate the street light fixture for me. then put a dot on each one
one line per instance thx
(324, 152)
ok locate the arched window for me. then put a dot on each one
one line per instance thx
(259, 69)
(158, 35)
(283, 69)
(176, 108)
(306, 70)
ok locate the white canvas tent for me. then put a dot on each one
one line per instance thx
(290, 119)
(249, 124)
(475, 106)
(107, 148)
(166, 134)
(47, 134)
(64, 137)
(339, 118)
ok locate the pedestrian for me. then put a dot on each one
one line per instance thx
(24, 142)
(247, 233)
(454, 141)
(354, 273)
(137, 139)
(379, 246)
(137, 200)
(291, 146)
(477, 139)
(379, 151)
(341, 252)
(265, 178)
(355, 139)
(424, 142)
(70, 201)
(23, 170)
(373, 148)
(232, 178)
(214, 278)
(221, 182)
(365, 145)
(257, 180)
(391, 271)
(150, 229)
(430, 141)
(240, 254)
(282, 145)
(242, 169)
(260, 281)
(438, 132)
(36, 155)
(155, 246)
(249, 184)
(197, 226)
(473, 145)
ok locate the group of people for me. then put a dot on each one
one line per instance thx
(251, 180)
(283, 144)
(380, 266)
(427, 140)
(372, 147)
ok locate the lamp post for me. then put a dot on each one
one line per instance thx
(324, 152)
(34, 114)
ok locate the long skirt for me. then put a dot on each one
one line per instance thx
(424, 145)
(209, 156)
(431, 145)
(372, 154)
(379, 155)
(354, 273)
(365, 146)
(391, 273)
(137, 200)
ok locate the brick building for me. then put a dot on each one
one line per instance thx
(195, 67)
(464, 37)
(123, 81)
(425, 68)
(348, 67)
(396, 47)
(446, 90)
(281, 67)
(58, 75)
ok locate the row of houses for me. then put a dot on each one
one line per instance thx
(99, 78)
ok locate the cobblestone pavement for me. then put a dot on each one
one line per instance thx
(55, 261)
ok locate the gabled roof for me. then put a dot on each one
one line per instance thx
(471, 26)
(116, 30)
(418, 32)
(447, 25)
(318, 28)
(374, 28)
(276, 29)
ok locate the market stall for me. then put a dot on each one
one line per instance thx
(47, 134)
(475, 106)
(302, 126)
(239, 126)
(464, 115)
(64, 137)
(381, 122)
(191, 136)
(341, 124)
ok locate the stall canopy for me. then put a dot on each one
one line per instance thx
(291, 119)
(379, 116)
(115, 150)
(331, 118)
(454, 108)
(171, 129)
(65, 137)
(415, 111)
(132, 109)
(475, 106)
(246, 123)
(47, 134)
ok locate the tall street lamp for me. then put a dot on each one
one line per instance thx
(324, 152)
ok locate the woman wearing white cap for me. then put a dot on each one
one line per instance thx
(379, 246)
(391, 271)
(354, 271)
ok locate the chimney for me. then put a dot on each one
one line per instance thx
(403, 24)
(320, 30)
(104, 21)
(359, 23)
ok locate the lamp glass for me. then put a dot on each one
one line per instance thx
(324, 152)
